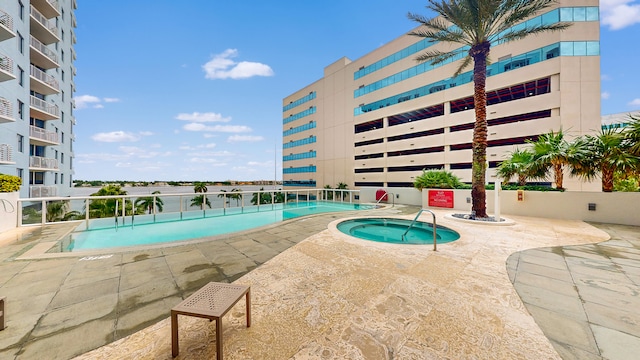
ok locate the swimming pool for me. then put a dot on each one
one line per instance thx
(145, 229)
(391, 230)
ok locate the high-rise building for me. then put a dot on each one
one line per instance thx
(37, 40)
(383, 118)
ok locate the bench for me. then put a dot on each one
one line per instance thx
(2, 323)
(211, 302)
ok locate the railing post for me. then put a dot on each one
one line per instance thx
(86, 215)
(44, 212)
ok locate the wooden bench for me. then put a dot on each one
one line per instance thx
(2, 323)
(211, 302)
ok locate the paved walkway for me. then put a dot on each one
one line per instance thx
(333, 297)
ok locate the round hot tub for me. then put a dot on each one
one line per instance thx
(391, 230)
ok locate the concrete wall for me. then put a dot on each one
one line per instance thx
(8, 208)
(614, 208)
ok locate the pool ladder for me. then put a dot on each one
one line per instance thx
(393, 198)
(416, 219)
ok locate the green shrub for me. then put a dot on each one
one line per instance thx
(523, 187)
(437, 179)
(9, 183)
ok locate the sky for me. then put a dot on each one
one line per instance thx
(192, 90)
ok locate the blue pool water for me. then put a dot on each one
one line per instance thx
(390, 230)
(194, 224)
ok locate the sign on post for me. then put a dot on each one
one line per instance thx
(441, 198)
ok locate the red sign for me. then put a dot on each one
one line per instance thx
(441, 198)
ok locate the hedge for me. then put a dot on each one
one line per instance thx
(9, 183)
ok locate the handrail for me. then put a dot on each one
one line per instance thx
(393, 198)
(416, 219)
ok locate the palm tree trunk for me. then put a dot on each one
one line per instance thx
(479, 54)
(557, 170)
(607, 179)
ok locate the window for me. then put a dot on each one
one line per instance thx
(20, 43)
(61, 54)
(62, 34)
(61, 158)
(55, 179)
(62, 116)
(62, 75)
(21, 10)
(20, 76)
(62, 137)
(20, 173)
(62, 95)
(20, 143)
(20, 110)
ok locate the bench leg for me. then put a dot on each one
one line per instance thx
(174, 334)
(248, 298)
(219, 338)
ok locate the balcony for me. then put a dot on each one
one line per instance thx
(6, 68)
(6, 155)
(42, 137)
(42, 28)
(42, 164)
(41, 55)
(40, 109)
(6, 26)
(6, 111)
(38, 191)
(48, 8)
(43, 83)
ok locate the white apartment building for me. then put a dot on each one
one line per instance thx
(378, 121)
(37, 40)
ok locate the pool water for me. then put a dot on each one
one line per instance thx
(390, 230)
(145, 231)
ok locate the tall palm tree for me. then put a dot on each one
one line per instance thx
(477, 24)
(521, 164)
(100, 208)
(607, 155)
(146, 203)
(236, 194)
(200, 187)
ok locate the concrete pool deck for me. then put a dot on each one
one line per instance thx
(320, 294)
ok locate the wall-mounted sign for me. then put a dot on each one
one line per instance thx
(441, 198)
(520, 195)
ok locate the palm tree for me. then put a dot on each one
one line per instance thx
(631, 133)
(328, 194)
(521, 164)
(236, 194)
(342, 186)
(59, 211)
(200, 201)
(552, 150)
(146, 203)
(607, 155)
(262, 197)
(101, 208)
(200, 187)
(477, 24)
(224, 196)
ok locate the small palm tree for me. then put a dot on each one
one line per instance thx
(328, 194)
(200, 187)
(200, 201)
(521, 164)
(342, 186)
(146, 203)
(476, 25)
(236, 194)
(552, 150)
(224, 196)
(100, 208)
(607, 155)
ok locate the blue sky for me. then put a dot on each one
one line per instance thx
(192, 90)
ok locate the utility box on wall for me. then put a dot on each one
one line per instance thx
(520, 195)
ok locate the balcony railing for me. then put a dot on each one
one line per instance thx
(46, 79)
(6, 68)
(46, 52)
(6, 111)
(48, 25)
(46, 111)
(43, 163)
(37, 191)
(6, 154)
(6, 26)
(48, 8)
(42, 134)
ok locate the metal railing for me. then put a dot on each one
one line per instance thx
(43, 163)
(6, 20)
(6, 153)
(45, 78)
(42, 134)
(36, 44)
(45, 106)
(48, 24)
(435, 235)
(6, 63)
(386, 193)
(40, 191)
(6, 109)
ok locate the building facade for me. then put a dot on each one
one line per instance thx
(380, 120)
(37, 40)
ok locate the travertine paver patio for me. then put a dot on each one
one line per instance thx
(335, 297)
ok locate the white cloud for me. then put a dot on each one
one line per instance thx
(217, 128)
(635, 102)
(203, 117)
(145, 133)
(86, 101)
(115, 136)
(605, 95)
(619, 14)
(221, 66)
(261, 164)
(248, 138)
(605, 77)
